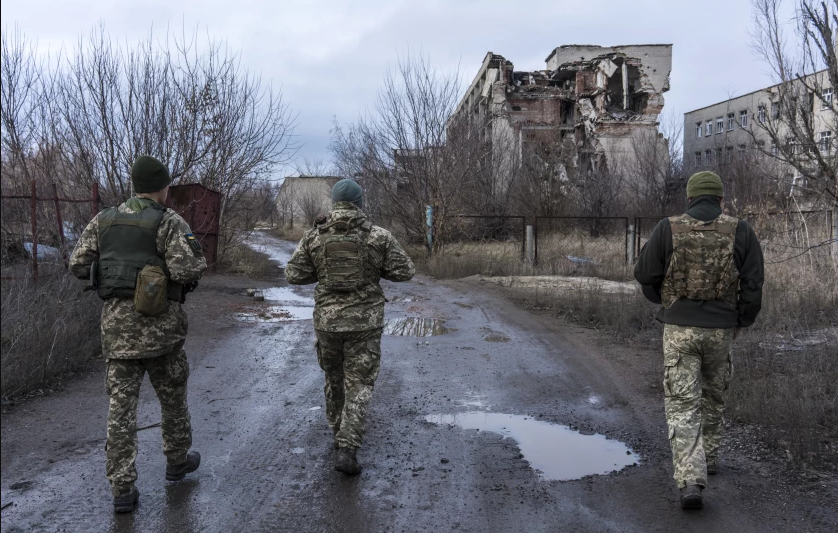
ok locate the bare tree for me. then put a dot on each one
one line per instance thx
(803, 120)
(412, 152)
(655, 180)
(86, 116)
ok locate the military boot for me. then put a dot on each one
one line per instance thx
(691, 497)
(712, 466)
(126, 501)
(178, 472)
(347, 462)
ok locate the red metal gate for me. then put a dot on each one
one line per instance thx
(201, 208)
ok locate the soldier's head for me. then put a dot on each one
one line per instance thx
(151, 178)
(348, 191)
(705, 182)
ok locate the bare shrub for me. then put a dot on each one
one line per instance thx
(49, 327)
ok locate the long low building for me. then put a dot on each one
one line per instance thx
(751, 125)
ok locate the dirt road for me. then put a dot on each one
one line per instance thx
(529, 394)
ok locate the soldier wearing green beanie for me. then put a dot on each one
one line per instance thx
(346, 255)
(706, 270)
(149, 175)
(134, 254)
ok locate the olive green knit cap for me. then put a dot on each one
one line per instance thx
(705, 182)
(149, 175)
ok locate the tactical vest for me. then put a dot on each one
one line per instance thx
(344, 264)
(702, 266)
(127, 243)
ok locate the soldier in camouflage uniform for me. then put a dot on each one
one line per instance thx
(706, 270)
(111, 252)
(348, 256)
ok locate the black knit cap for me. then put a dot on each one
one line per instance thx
(149, 175)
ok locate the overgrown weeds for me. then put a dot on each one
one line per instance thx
(49, 326)
(243, 260)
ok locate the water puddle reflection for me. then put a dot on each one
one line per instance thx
(276, 313)
(556, 452)
(415, 327)
(285, 294)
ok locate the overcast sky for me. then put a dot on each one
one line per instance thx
(329, 56)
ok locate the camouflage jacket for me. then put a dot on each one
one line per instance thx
(127, 334)
(360, 310)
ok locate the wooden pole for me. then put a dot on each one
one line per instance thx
(34, 205)
(94, 201)
(60, 222)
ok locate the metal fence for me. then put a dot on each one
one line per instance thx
(614, 229)
(55, 201)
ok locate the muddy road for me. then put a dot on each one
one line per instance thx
(486, 418)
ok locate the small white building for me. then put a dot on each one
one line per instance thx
(301, 199)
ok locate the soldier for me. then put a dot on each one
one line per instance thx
(348, 256)
(142, 258)
(706, 270)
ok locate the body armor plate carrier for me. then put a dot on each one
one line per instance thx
(127, 243)
(344, 266)
(702, 265)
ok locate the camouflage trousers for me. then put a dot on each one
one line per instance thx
(697, 371)
(351, 361)
(168, 374)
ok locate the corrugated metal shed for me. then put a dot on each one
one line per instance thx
(201, 208)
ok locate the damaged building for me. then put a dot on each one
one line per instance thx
(592, 100)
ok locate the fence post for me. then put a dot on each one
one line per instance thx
(530, 249)
(834, 234)
(94, 201)
(632, 244)
(429, 221)
(34, 205)
(59, 221)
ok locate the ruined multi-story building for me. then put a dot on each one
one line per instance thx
(593, 100)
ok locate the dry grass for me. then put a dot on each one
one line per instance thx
(243, 260)
(49, 327)
(292, 234)
(606, 255)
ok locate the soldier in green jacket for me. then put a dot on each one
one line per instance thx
(706, 269)
(347, 256)
(117, 248)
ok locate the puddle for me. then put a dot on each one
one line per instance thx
(415, 327)
(285, 294)
(408, 298)
(298, 451)
(277, 313)
(555, 452)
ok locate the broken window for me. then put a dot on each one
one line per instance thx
(761, 113)
(698, 130)
(720, 125)
(743, 118)
(826, 99)
(825, 142)
(708, 128)
(731, 121)
(775, 110)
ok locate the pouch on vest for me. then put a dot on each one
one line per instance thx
(151, 295)
(343, 268)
